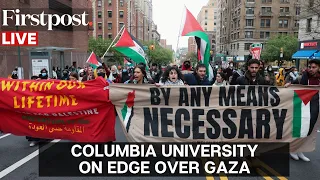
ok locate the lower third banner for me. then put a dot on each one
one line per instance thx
(55, 109)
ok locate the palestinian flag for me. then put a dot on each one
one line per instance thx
(93, 61)
(127, 110)
(305, 112)
(192, 28)
(131, 47)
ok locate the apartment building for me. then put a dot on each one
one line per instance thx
(192, 46)
(244, 22)
(109, 16)
(207, 17)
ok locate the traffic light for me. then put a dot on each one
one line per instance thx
(151, 47)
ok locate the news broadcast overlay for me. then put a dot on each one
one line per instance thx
(53, 109)
(231, 114)
(56, 18)
(162, 159)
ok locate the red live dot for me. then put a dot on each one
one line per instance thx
(90, 23)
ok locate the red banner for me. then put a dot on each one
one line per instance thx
(56, 109)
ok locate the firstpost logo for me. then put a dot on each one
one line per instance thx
(14, 17)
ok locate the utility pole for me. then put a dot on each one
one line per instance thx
(281, 57)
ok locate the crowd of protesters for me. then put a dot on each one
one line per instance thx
(253, 72)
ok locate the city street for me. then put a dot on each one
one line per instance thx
(19, 161)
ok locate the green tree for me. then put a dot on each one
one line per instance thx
(159, 55)
(193, 57)
(272, 48)
(99, 46)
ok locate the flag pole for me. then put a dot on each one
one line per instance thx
(113, 42)
(180, 28)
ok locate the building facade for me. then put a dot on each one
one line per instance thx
(309, 24)
(244, 22)
(192, 46)
(207, 16)
(109, 16)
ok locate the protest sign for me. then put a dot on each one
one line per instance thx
(56, 109)
(233, 114)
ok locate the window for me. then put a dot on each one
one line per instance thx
(284, 1)
(121, 14)
(99, 14)
(205, 23)
(267, 35)
(296, 23)
(109, 26)
(283, 23)
(249, 22)
(238, 46)
(266, 1)
(309, 22)
(110, 14)
(121, 3)
(205, 29)
(100, 36)
(311, 3)
(261, 35)
(250, 0)
(110, 2)
(298, 10)
(247, 46)
(121, 25)
(110, 36)
(266, 9)
(249, 34)
(249, 10)
(284, 9)
(99, 3)
(100, 25)
(264, 35)
(265, 23)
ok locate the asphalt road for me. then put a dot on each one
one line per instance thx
(19, 161)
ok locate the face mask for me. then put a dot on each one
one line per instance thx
(65, 73)
(269, 69)
(101, 74)
(14, 72)
(231, 65)
(44, 74)
(296, 72)
(114, 73)
(187, 65)
(124, 70)
(217, 67)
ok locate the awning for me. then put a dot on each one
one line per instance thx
(317, 55)
(306, 54)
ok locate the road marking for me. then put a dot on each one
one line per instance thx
(25, 159)
(271, 170)
(1, 137)
(208, 176)
(222, 175)
(259, 171)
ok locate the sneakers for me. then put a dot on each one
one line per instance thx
(32, 143)
(297, 156)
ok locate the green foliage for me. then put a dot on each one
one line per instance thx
(272, 48)
(193, 57)
(159, 55)
(99, 46)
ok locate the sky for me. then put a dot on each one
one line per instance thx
(167, 15)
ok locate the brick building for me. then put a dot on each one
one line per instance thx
(61, 37)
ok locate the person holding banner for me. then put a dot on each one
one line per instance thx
(198, 77)
(171, 77)
(252, 76)
(220, 80)
(311, 77)
(139, 76)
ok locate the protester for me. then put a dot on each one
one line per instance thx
(261, 68)
(292, 76)
(139, 76)
(74, 76)
(155, 72)
(229, 71)
(65, 74)
(280, 77)
(89, 75)
(198, 77)
(236, 74)
(171, 77)
(14, 74)
(220, 80)
(252, 77)
(186, 66)
(125, 76)
(270, 74)
(81, 74)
